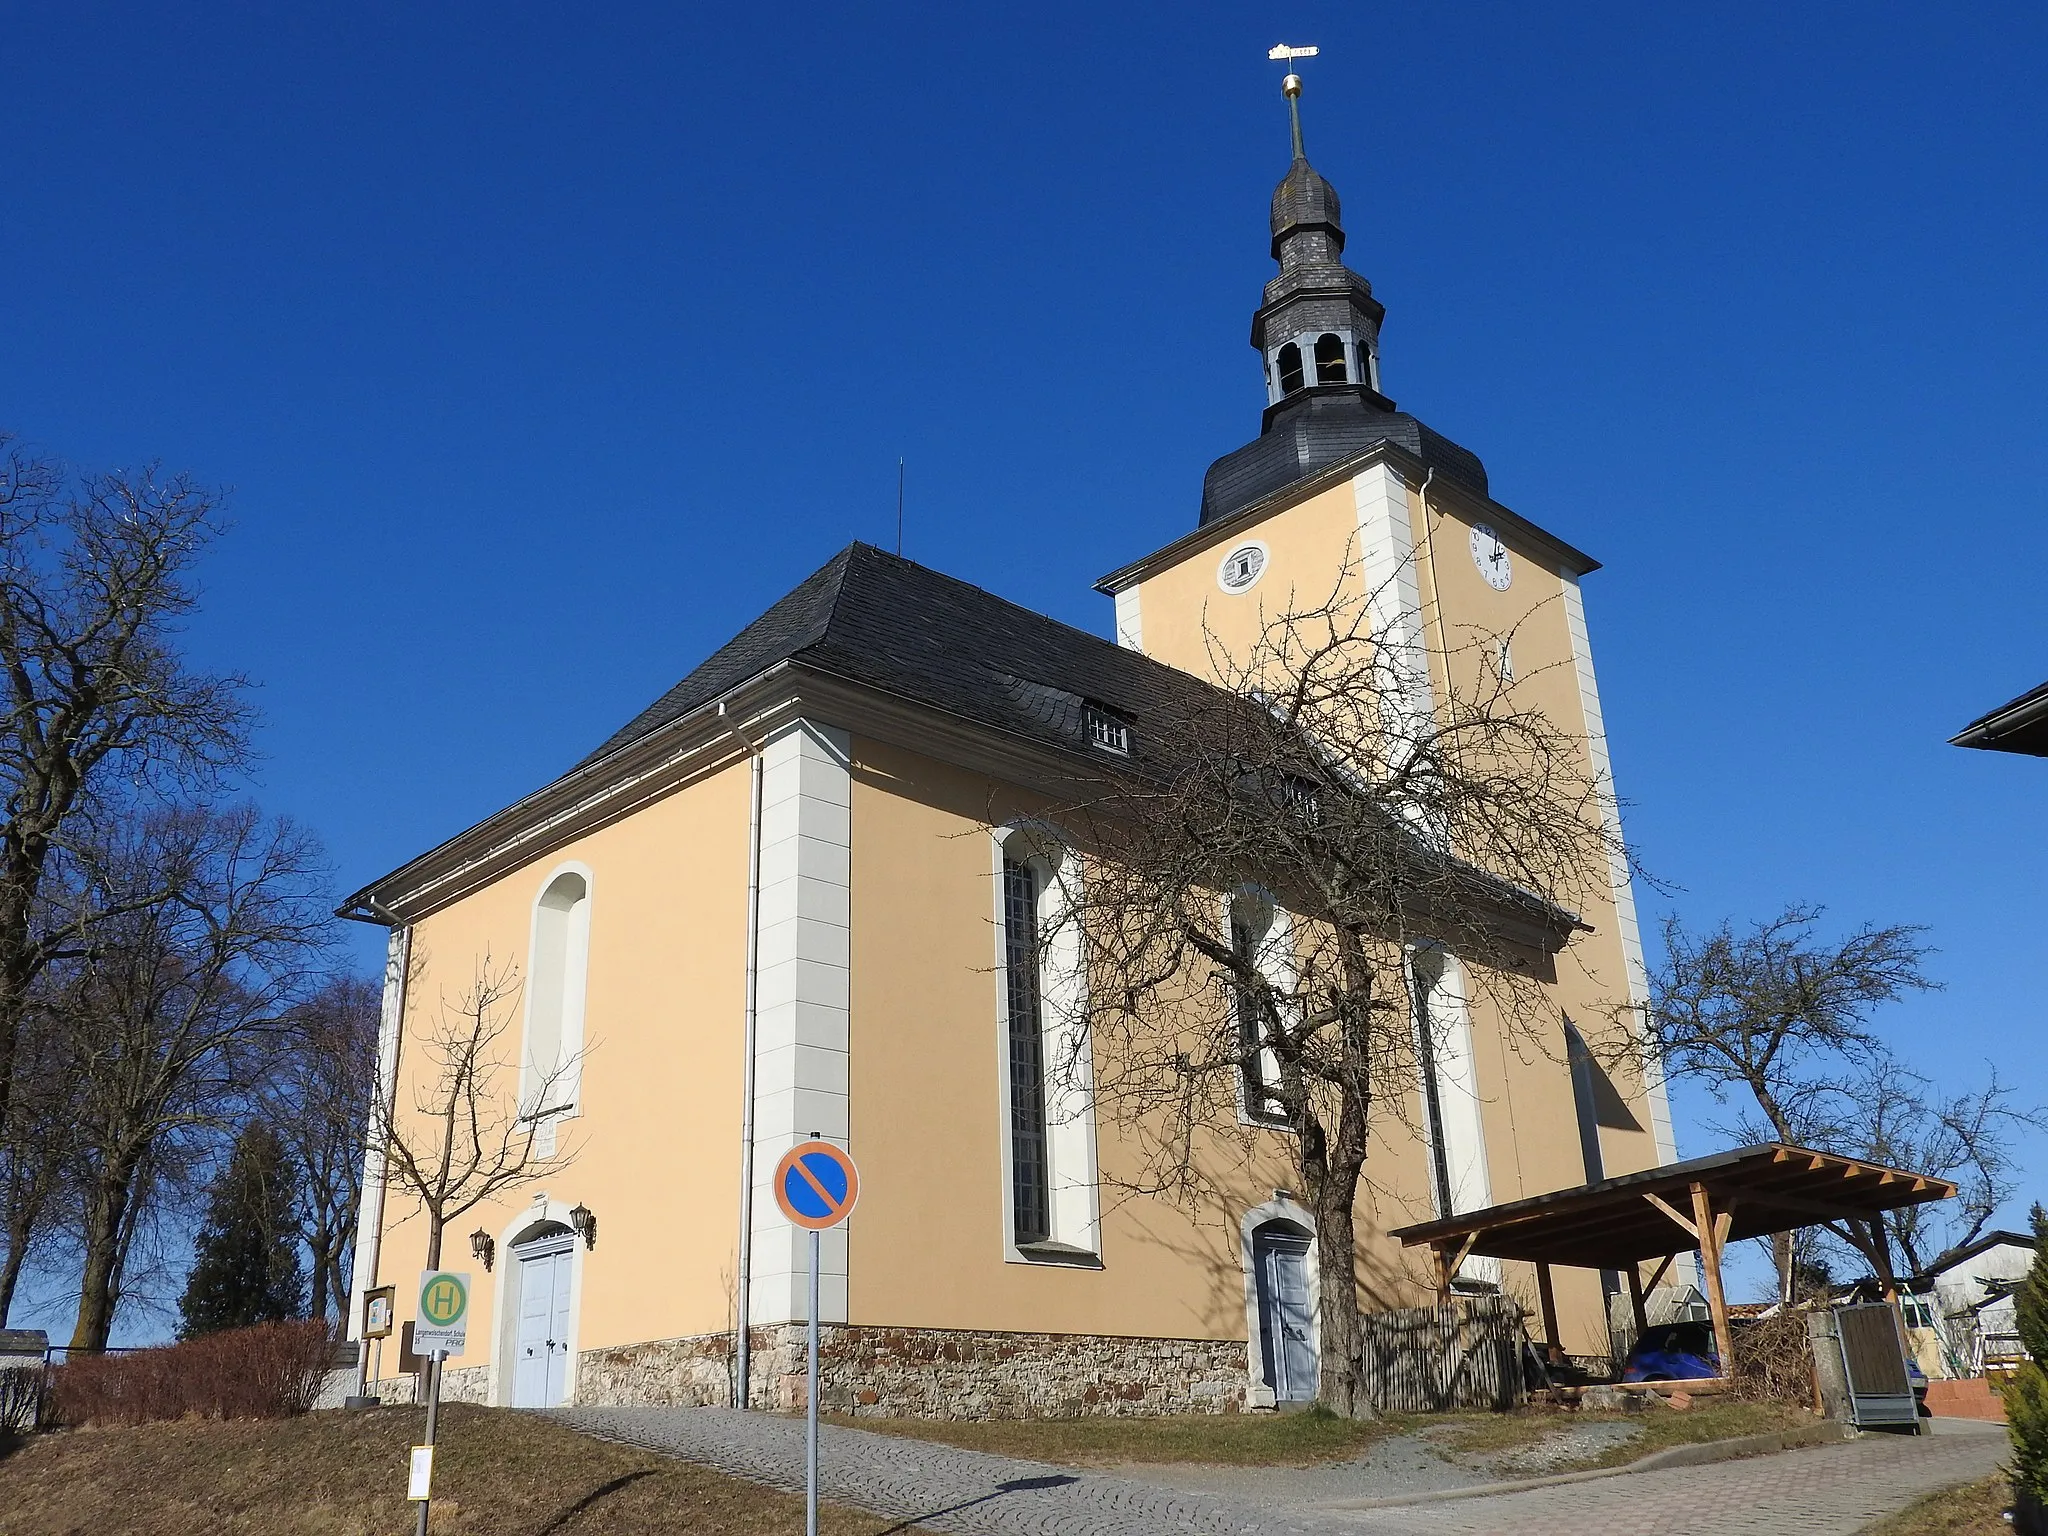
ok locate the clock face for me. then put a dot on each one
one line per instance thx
(1492, 557)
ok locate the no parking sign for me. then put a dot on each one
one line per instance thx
(816, 1185)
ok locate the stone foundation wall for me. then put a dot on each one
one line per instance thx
(459, 1384)
(681, 1373)
(921, 1373)
(931, 1373)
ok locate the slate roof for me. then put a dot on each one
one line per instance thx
(1319, 427)
(875, 618)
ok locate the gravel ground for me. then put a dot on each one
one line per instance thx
(1575, 1443)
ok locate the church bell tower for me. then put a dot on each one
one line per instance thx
(1319, 327)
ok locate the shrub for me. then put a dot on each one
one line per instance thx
(270, 1371)
(1774, 1360)
(2026, 1395)
(23, 1389)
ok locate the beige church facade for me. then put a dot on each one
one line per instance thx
(773, 906)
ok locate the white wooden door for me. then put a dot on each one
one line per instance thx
(542, 1361)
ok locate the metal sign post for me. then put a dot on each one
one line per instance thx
(442, 1329)
(815, 1185)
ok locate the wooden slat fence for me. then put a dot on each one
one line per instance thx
(1433, 1359)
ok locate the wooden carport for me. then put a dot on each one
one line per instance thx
(1705, 1203)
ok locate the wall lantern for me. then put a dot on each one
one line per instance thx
(482, 1246)
(584, 1220)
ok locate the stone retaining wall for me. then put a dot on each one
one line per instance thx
(930, 1373)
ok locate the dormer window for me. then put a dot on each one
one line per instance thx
(1330, 359)
(1108, 731)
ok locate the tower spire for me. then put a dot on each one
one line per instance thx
(1317, 334)
(1291, 87)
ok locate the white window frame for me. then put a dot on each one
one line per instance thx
(1277, 963)
(574, 995)
(1265, 554)
(1459, 1118)
(1074, 1204)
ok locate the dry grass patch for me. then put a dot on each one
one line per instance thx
(343, 1474)
(1498, 1433)
(1970, 1509)
(1226, 1439)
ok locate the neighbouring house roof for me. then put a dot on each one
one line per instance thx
(2019, 726)
(1610, 1224)
(1982, 1245)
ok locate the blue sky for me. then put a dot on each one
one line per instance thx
(544, 347)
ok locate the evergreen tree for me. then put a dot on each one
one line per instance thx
(2026, 1396)
(246, 1269)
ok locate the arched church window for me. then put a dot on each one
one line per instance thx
(1045, 1056)
(1290, 369)
(1024, 881)
(554, 999)
(1330, 358)
(1259, 937)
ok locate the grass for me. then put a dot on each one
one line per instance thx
(1971, 1509)
(1303, 1439)
(1663, 1428)
(1224, 1439)
(343, 1474)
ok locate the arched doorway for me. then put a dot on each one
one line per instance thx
(542, 1260)
(1287, 1331)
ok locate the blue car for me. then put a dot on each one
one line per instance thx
(1673, 1352)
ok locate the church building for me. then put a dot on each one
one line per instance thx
(780, 902)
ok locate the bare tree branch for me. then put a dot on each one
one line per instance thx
(1253, 886)
(467, 1136)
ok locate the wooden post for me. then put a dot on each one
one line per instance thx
(1881, 1261)
(1710, 1261)
(1549, 1300)
(1635, 1299)
(1444, 1269)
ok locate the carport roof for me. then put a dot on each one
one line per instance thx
(1622, 1221)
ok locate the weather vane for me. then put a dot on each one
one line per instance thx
(1291, 86)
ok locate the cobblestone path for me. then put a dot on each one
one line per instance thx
(1831, 1491)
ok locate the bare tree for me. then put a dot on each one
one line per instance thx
(1777, 1018)
(95, 574)
(1258, 879)
(470, 1134)
(35, 1192)
(319, 1104)
(1968, 1135)
(174, 1011)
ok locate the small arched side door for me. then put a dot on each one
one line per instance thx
(1280, 1260)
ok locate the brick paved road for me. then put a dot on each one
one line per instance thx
(1831, 1491)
